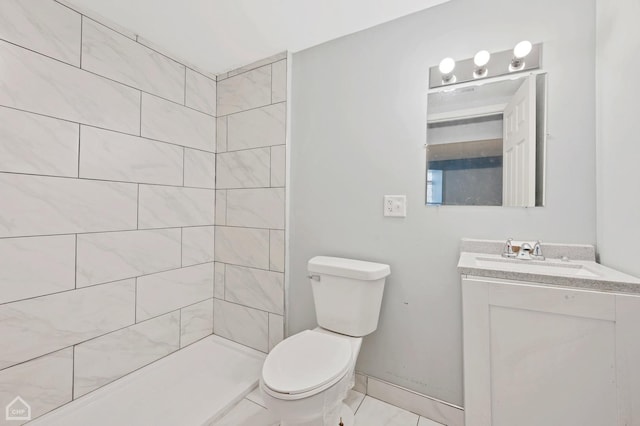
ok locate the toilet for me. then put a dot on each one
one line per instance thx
(306, 377)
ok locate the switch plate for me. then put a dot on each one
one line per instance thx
(395, 205)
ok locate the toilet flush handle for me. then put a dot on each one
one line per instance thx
(314, 277)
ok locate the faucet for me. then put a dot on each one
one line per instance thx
(508, 249)
(530, 253)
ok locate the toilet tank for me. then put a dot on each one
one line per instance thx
(347, 293)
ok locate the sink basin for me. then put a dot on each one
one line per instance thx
(540, 267)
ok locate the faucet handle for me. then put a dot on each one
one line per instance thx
(537, 251)
(507, 251)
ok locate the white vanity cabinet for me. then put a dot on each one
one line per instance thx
(538, 355)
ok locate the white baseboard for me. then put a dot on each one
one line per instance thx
(431, 408)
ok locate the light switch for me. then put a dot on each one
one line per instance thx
(395, 205)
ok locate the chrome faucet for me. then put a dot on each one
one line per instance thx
(525, 251)
(508, 249)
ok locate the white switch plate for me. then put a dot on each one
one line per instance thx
(395, 205)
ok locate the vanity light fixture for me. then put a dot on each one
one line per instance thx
(485, 64)
(520, 52)
(480, 61)
(446, 67)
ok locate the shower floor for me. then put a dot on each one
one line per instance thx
(190, 387)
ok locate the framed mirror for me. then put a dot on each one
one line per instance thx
(486, 142)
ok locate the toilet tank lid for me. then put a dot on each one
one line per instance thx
(348, 268)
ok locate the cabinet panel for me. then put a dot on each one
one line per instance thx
(551, 369)
(628, 359)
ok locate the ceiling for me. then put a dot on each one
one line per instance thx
(221, 35)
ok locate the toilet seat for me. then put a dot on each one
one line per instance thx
(306, 364)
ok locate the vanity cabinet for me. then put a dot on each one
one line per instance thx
(538, 355)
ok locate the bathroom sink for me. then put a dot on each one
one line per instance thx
(540, 267)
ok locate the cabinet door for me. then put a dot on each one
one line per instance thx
(536, 355)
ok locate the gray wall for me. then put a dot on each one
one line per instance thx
(107, 170)
(358, 130)
(618, 139)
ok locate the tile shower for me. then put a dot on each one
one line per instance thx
(117, 247)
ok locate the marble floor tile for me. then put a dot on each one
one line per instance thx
(373, 412)
(354, 400)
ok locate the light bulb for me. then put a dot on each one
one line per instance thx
(522, 49)
(447, 65)
(482, 58)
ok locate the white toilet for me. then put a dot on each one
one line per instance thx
(306, 377)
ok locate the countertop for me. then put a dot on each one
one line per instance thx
(583, 273)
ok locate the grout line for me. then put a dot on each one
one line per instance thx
(79, 139)
(164, 185)
(117, 230)
(250, 109)
(81, 37)
(75, 282)
(73, 372)
(105, 129)
(138, 209)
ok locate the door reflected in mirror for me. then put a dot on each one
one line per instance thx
(486, 143)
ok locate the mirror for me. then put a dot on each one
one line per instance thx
(486, 143)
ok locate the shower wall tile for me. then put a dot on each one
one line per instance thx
(35, 327)
(257, 128)
(43, 26)
(167, 291)
(241, 324)
(221, 134)
(278, 166)
(44, 383)
(107, 195)
(42, 85)
(218, 284)
(197, 245)
(276, 250)
(36, 266)
(242, 246)
(107, 358)
(276, 330)
(245, 91)
(112, 256)
(112, 55)
(255, 288)
(36, 205)
(169, 122)
(116, 156)
(35, 144)
(199, 169)
(257, 64)
(165, 206)
(196, 322)
(256, 208)
(243, 169)
(201, 92)
(279, 83)
(221, 207)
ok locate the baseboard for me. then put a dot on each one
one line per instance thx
(426, 406)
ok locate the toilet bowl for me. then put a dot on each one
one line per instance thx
(306, 377)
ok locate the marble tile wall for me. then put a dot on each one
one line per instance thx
(107, 202)
(249, 291)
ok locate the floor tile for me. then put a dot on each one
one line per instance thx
(373, 412)
(426, 422)
(256, 396)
